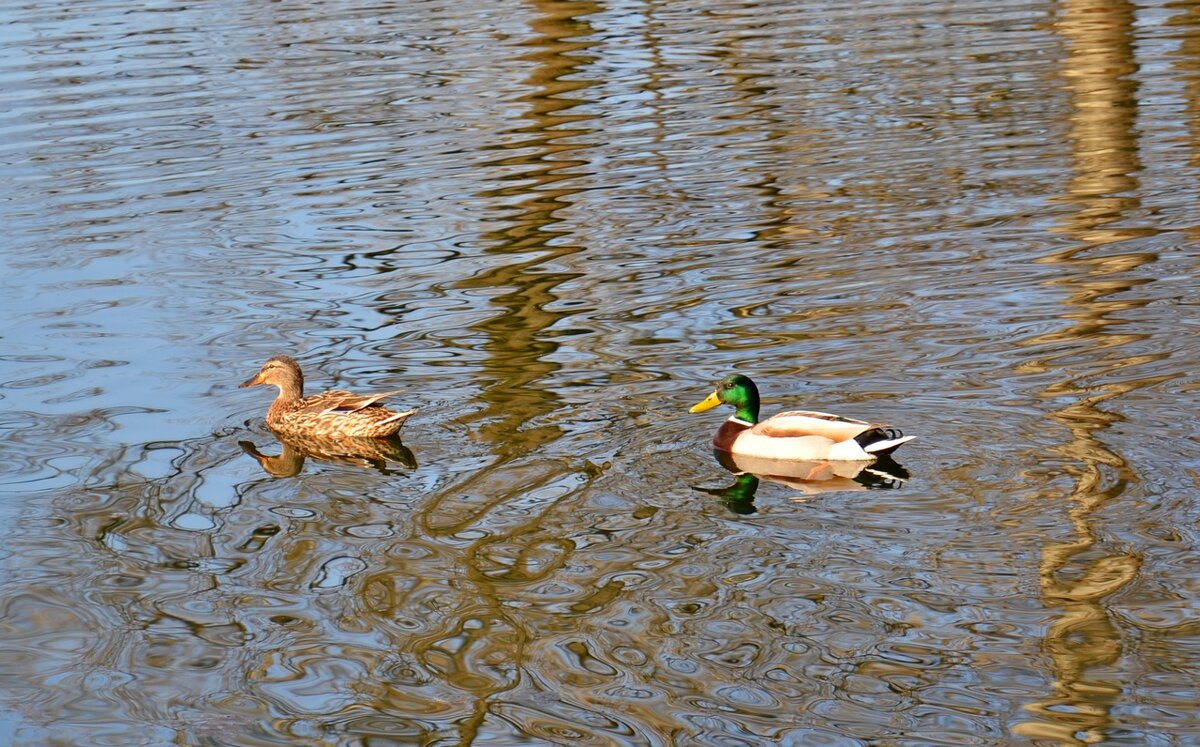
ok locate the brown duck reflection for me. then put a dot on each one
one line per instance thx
(809, 478)
(376, 453)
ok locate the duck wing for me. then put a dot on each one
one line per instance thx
(796, 423)
(874, 438)
(342, 402)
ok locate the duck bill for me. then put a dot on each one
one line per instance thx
(254, 380)
(709, 403)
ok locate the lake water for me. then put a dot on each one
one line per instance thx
(557, 224)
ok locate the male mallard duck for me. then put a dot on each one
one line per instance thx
(332, 413)
(795, 435)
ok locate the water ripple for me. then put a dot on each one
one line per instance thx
(556, 225)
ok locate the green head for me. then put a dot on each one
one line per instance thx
(735, 390)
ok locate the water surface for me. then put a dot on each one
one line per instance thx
(558, 224)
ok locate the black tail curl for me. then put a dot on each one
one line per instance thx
(875, 435)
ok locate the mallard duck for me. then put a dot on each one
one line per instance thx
(332, 413)
(795, 435)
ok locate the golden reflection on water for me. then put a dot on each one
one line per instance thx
(1187, 62)
(1074, 581)
(485, 654)
(515, 339)
(509, 590)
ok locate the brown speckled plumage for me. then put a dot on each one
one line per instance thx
(379, 453)
(332, 413)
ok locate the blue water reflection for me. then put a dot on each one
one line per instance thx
(554, 224)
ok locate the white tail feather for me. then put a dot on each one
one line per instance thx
(886, 445)
(397, 416)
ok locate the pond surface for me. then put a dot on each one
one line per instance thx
(557, 224)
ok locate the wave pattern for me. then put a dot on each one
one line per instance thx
(556, 223)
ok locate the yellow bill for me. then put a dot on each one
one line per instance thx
(709, 403)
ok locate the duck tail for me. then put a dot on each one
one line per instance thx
(881, 440)
(396, 416)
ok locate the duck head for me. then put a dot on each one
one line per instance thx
(280, 371)
(737, 391)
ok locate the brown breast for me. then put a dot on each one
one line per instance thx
(726, 434)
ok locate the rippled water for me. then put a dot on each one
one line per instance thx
(557, 224)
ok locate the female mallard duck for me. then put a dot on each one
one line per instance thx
(794, 435)
(332, 413)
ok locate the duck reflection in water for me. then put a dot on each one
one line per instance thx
(375, 453)
(333, 426)
(808, 477)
